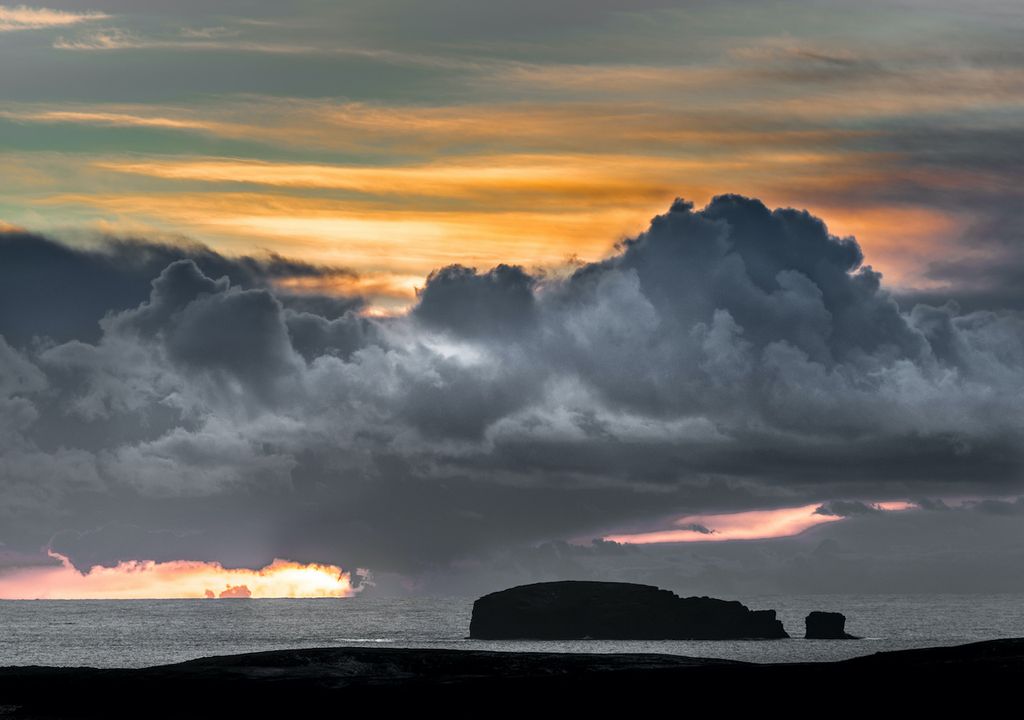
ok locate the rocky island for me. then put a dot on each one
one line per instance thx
(827, 626)
(572, 610)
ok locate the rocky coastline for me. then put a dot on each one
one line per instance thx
(333, 681)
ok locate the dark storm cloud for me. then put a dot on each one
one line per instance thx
(459, 299)
(206, 325)
(962, 550)
(932, 504)
(13, 559)
(977, 284)
(845, 508)
(727, 358)
(698, 528)
(778, 274)
(49, 289)
(127, 541)
(1000, 507)
(317, 333)
(969, 170)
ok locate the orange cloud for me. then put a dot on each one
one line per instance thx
(393, 243)
(403, 240)
(390, 293)
(551, 178)
(146, 579)
(236, 591)
(551, 199)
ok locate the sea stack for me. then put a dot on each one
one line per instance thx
(573, 610)
(827, 626)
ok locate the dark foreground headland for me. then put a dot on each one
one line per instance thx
(332, 682)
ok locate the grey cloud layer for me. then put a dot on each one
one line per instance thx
(964, 549)
(727, 358)
(55, 291)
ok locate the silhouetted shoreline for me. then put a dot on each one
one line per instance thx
(299, 683)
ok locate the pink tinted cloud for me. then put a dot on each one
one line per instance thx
(236, 591)
(750, 525)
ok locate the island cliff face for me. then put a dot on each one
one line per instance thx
(827, 626)
(572, 610)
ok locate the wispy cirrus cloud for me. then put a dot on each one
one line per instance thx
(121, 39)
(225, 42)
(472, 129)
(104, 118)
(546, 175)
(22, 17)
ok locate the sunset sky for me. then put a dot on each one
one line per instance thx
(757, 273)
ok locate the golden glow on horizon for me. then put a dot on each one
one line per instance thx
(146, 579)
(749, 525)
(416, 237)
(378, 241)
(392, 292)
(546, 179)
(579, 204)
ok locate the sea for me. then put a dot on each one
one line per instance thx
(138, 633)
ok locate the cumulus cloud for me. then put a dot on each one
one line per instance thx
(52, 290)
(727, 359)
(459, 299)
(233, 591)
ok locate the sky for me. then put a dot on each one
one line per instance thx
(397, 297)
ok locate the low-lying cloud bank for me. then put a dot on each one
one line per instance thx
(729, 358)
(175, 579)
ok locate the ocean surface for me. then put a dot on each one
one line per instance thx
(135, 633)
